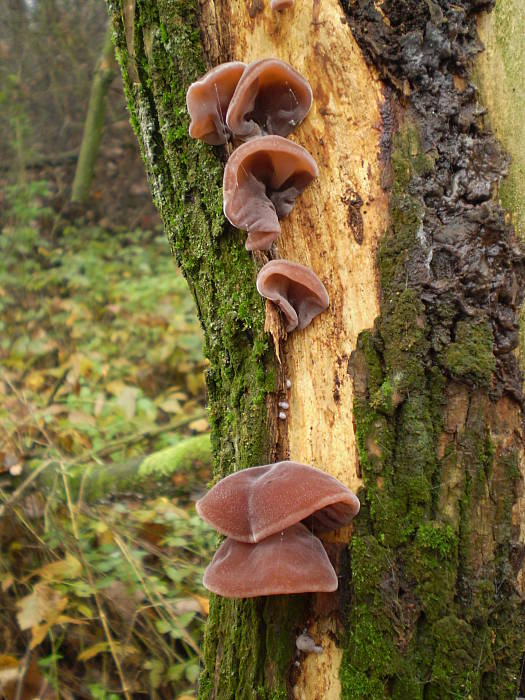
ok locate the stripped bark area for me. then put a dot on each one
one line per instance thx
(342, 132)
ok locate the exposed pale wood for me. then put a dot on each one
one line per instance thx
(342, 132)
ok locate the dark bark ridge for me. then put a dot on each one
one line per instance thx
(438, 401)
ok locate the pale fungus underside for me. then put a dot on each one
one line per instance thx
(288, 562)
(262, 180)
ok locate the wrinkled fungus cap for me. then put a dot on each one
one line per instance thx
(262, 179)
(270, 98)
(256, 503)
(291, 561)
(295, 289)
(208, 100)
(281, 4)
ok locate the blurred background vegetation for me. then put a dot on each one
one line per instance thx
(104, 440)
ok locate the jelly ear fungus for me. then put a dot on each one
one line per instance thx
(208, 100)
(262, 179)
(295, 289)
(264, 510)
(271, 98)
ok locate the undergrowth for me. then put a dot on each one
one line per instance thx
(101, 367)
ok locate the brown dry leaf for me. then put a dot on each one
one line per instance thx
(185, 605)
(122, 599)
(82, 365)
(42, 604)
(196, 603)
(170, 405)
(35, 686)
(99, 404)
(35, 380)
(204, 603)
(122, 650)
(115, 387)
(34, 505)
(105, 537)
(40, 632)
(200, 425)
(195, 383)
(68, 568)
(93, 651)
(6, 582)
(55, 409)
(79, 418)
(7, 661)
(8, 679)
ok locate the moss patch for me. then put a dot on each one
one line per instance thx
(422, 622)
(471, 355)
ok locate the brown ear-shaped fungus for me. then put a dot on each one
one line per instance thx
(271, 98)
(262, 179)
(281, 4)
(208, 100)
(295, 289)
(255, 503)
(291, 561)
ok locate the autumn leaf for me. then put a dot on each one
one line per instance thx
(42, 604)
(68, 568)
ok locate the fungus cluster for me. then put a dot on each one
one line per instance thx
(239, 101)
(269, 515)
(258, 105)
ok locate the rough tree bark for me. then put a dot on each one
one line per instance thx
(408, 389)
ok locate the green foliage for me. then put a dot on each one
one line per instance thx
(103, 340)
(101, 356)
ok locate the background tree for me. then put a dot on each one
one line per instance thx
(94, 123)
(408, 389)
(48, 53)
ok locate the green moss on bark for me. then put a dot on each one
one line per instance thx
(471, 354)
(159, 50)
(426, 615)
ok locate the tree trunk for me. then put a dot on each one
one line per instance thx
(408, 389)
(102, 78)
